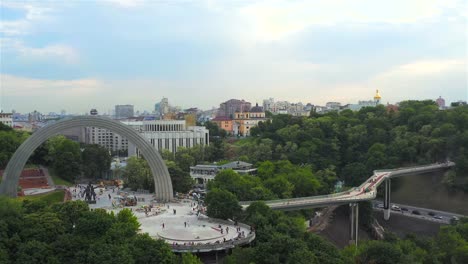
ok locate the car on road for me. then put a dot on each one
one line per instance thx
(380, 205)
(416, 212)
(455, 218)
(438, 217)
(404, 209)
(431, 213)
(396, 208)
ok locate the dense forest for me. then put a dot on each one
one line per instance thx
(353, 144)
(35, 232)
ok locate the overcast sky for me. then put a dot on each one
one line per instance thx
(77, 55)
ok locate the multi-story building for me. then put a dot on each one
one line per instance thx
(124, 111)
(441, 103)
(6, 118)
(162, 134)
(285, 107)
(244, 121)
(34, 116)
(224, 123)
(162, 108)
(333, 105)
(361, 104)
(230, 107)
(169, 134)
(105, 138)
(204, 173)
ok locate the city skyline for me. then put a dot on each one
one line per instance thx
(136, 52)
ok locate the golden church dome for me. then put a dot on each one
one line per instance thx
(377, 95)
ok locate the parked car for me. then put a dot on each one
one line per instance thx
(438, 217)
(404, 209)
(396, 208)
(380, 205)
(431, 213)
(416, 212)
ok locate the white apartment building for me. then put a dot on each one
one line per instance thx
(162, 134)
(169, 134)
(285, 107)
(6, 118)
(105, 138)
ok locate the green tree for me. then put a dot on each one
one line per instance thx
(222, 204)
(181, 180)
(379, 252)
(96, 160)
(148, 250)
(137, 174)
(35, 252)
(65, 156)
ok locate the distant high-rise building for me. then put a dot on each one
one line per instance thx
(230, 107)
(162, 108)
(123, 111)
(34, 116)
(333, 105)
(440, 102)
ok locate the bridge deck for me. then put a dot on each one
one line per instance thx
(366, 191)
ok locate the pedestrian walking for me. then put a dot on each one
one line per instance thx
(185, 224)
(109, 196)
(163, 225)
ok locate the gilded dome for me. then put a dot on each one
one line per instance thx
(377, 95)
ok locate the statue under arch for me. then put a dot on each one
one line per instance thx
(162, 180)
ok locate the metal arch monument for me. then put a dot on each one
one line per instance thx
(162, 180)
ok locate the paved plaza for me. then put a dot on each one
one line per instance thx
(178, 223)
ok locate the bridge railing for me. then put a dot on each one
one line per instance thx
(318, 197)
(373, 193)
(205, 247)
(434, 165)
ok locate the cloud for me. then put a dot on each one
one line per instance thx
(35, 12)
(424, 68)
(21, 86)
(276, 20)
(424, 79)
(57, 52)
(126, 3)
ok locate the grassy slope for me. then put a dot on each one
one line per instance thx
(49, 198)
(57, 180)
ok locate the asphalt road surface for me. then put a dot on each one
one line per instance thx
(424, 213)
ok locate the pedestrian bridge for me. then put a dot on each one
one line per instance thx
(365, 192)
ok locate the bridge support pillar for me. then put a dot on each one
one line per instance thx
(387, 199)
(354, 217)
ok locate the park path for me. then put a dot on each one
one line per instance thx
(50, 181)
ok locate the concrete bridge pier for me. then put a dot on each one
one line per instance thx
(354, 217)
(387, 199)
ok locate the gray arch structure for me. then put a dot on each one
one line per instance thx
(162, 180)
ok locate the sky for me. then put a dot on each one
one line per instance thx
(77, 55)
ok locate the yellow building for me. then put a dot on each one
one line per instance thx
(245, 121)
(223, 123)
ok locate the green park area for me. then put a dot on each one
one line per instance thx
(49, 198)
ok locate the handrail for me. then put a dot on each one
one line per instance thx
(290, 202)
(218, 246)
